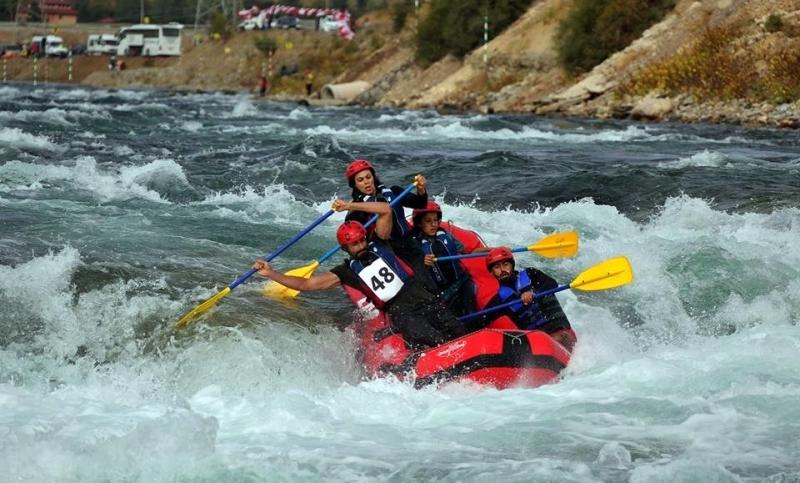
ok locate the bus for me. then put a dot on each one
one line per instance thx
(150, 40)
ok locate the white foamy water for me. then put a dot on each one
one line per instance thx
(85, 175)
(17, 138)
(690, 373)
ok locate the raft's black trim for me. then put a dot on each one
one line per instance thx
(383, 333)
(517, 353)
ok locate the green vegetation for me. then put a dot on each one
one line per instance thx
(713, 68)
(158, 11)
(400, 10)
(456, 26)
(220, 25)
(774, 23)
(267, 45)
(595, 29)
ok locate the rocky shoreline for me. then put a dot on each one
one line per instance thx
(516, 72)
(687, 109)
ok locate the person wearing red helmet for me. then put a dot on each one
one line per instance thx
(367, 187)
(392, 283)
(453, 283)
(544, 313)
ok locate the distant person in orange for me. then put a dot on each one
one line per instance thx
(309, 83)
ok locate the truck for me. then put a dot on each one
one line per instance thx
(99, 44)
(50, 45)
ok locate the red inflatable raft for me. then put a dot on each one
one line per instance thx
(500, 355)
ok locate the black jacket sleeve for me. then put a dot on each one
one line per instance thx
(412, 199)
(346, 276)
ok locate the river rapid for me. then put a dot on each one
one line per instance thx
(122, 210)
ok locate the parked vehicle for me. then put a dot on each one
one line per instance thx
(286, 22)
(150, 39)
(99, 44)
(79, 49)
(254, 23)
(50, 45)
(329, 23)
(9, 51)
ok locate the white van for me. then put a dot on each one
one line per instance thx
(329, 23)
(253, 23)
(53, 45)
(99, 44)
(150, 40)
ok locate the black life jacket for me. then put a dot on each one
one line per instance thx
(400, 228)
(383, 276)
(442, 244)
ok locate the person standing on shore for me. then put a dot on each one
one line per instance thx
(309, 83)
(263, 85)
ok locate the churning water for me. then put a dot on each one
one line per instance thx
(122, 210)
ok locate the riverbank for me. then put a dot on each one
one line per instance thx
(517, 72)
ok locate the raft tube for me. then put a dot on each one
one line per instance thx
(499, 355)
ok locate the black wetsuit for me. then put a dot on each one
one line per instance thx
(453, 283)
(420, 316)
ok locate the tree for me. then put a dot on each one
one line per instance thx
(127, 11)
(595, 29)
(35, 11)
(456, 26)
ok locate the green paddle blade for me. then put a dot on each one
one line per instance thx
(275, 290)
(611, 273)
(557, 245)
(202, 308)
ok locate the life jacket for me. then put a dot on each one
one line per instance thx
(525, 316)
(400, 228)
(383, 276)
(442, 244)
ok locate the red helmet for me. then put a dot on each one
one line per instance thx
(350, 232)
(499, 254)
(356, 167)
(431, 207)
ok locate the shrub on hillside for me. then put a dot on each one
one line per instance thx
(713, 68)
(595, 29)
(774, 23)
(219, 24)
(266, 44)
(456, 26)
(400, 10)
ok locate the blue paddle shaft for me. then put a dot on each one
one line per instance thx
(371, 221)
(280, 250)
(509, 304)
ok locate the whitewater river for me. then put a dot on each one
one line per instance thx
(122, 210)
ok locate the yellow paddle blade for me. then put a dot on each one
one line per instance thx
(275, 290)
(611, 273)
(204, 307)
(557, 245)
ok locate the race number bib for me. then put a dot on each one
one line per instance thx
(383, 281)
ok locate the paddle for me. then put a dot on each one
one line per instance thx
(563, 244)
(614, 272)
(274, 289)
(205, 306)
